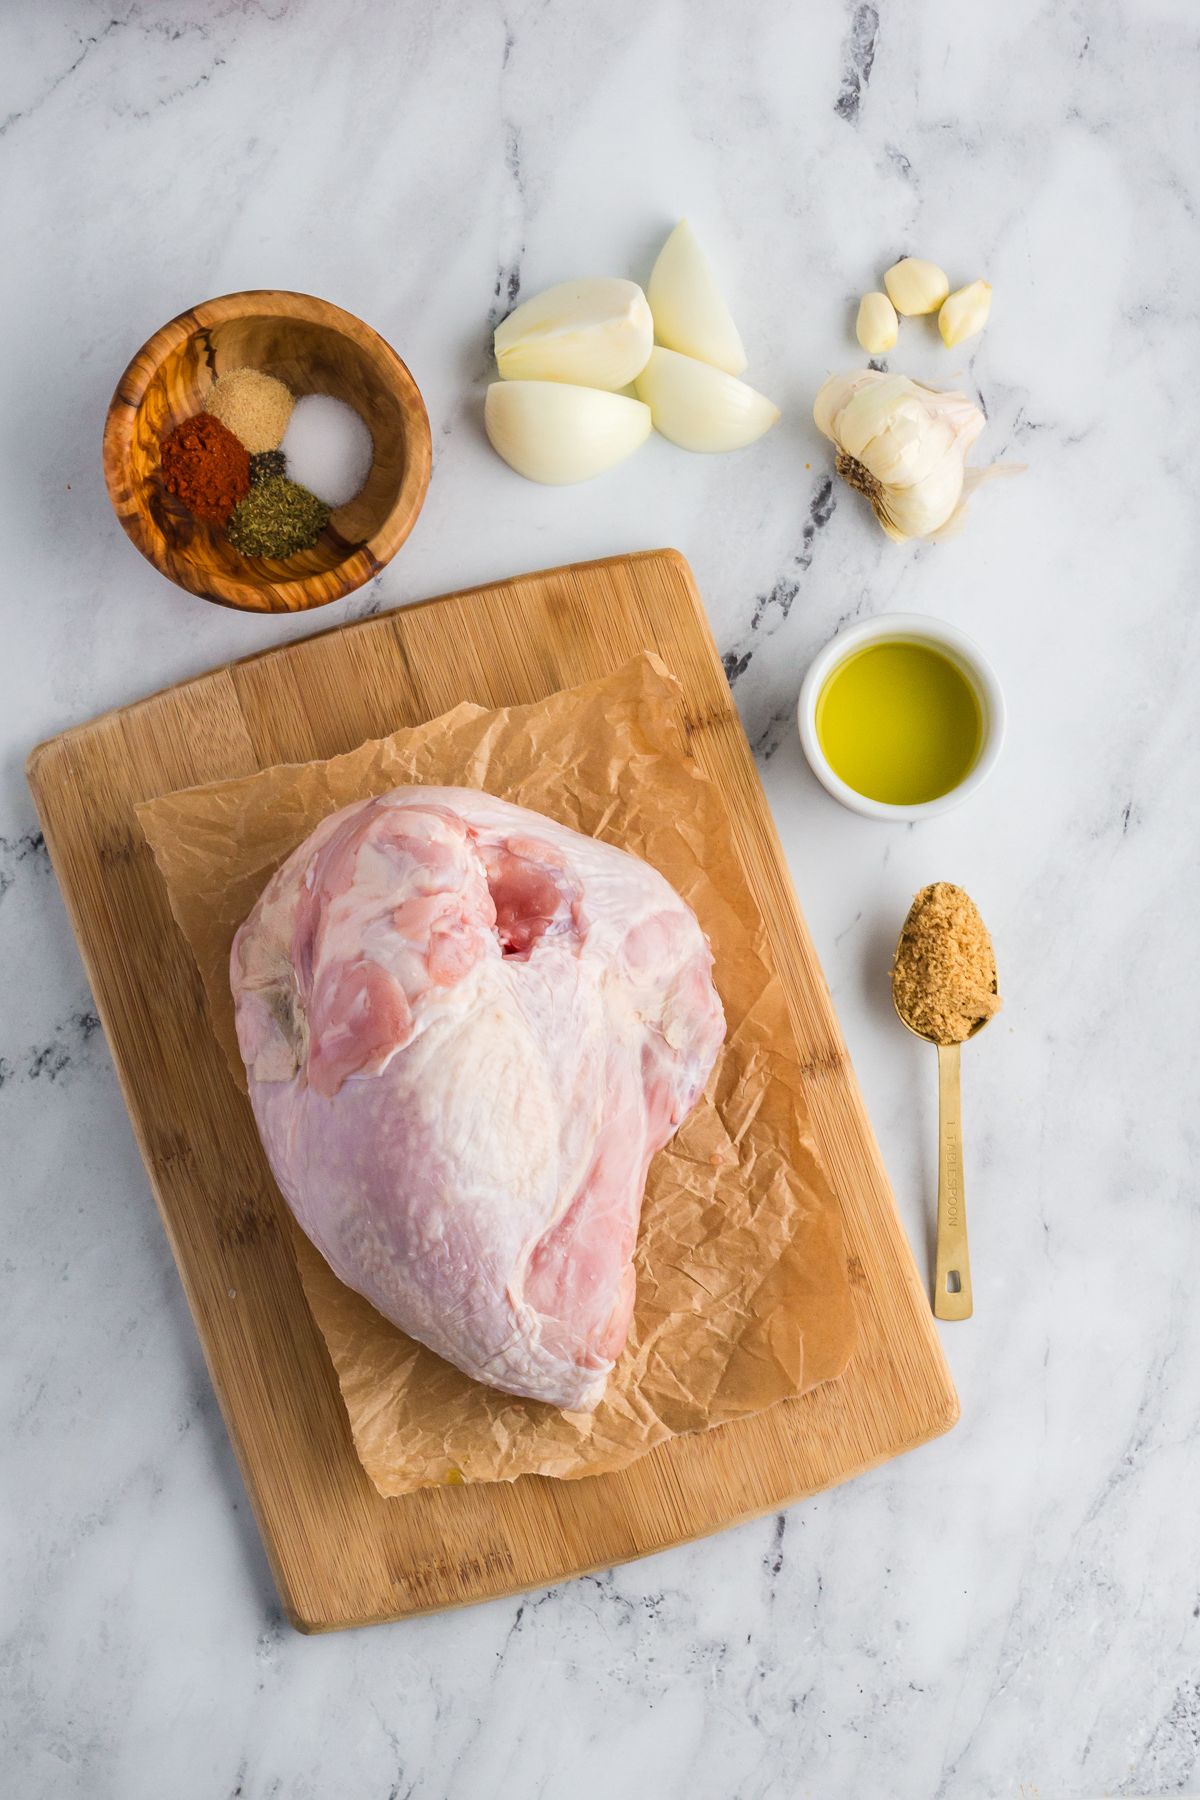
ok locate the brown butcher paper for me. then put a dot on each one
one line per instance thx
(742, 1292)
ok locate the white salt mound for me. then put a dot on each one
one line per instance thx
(328, 448)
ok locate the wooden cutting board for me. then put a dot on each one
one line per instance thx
(341, 1554)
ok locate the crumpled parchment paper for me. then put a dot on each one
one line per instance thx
(742, 1293)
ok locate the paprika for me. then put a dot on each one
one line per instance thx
(206, 468)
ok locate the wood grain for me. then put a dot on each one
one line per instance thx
(315, 348)
(341, 1554)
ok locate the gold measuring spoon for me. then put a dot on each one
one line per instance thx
(944, 991)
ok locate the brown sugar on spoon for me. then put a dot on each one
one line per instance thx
(944, 975)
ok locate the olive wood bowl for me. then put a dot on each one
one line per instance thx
(315, 348)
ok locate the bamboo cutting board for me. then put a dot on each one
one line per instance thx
(341, 1554)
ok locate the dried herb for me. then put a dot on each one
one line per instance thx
(277, 518)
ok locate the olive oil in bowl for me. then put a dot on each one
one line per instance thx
(899, 722)
(901, 716)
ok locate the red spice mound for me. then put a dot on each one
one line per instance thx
(205, 467)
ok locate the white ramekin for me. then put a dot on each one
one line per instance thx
(915, 628)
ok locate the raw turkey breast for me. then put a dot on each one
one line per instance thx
(466, 1031)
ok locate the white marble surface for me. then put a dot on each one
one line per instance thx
(1016, 1609)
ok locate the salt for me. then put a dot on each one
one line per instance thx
(328, 448)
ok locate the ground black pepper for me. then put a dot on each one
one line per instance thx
(266, 463)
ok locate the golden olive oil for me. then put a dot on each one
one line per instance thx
(899, 722)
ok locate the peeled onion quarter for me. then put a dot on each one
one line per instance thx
(690, 314)
(596, 333)
(699, 407)
(557, 433)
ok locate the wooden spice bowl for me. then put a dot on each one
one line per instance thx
(315, 348)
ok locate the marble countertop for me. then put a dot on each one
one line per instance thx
(1015, 1609)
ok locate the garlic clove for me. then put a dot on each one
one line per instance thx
(964, 313)
(593, 333)
(690, 314)
(877, 326)
(699, 407)
(557, 433)
(915, 286)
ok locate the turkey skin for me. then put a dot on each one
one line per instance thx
(466, 1030)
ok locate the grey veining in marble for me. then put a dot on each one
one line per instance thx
(1016, 1609)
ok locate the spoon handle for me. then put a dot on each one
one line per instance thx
(952, 1283)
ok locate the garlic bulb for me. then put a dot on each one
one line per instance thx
(903, 445)
(690, 314)
(699, 407)
(597, 333)
(554, 432)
